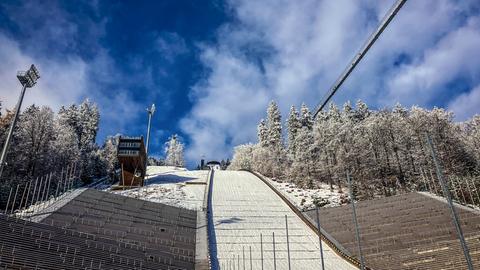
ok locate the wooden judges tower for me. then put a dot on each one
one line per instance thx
(132, 157)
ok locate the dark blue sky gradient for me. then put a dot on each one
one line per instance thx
(126, 31)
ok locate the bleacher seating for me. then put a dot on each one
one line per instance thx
(100, 230)
(409, 231)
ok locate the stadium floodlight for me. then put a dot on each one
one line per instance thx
(28, 79)
(150, 111)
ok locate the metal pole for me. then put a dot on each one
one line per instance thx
(320, 239)
(357, 231)
(261, 250)
(424, 180)
(461, 190)
(59, 182)
(69, 178)
(34, 191)
(243, 250)
(454, 188)
(8, 201)
(288, 243)
(73, 175)
(47, 197)
(150, 114)
(10, 131)
(363, 51)
(28, 193)
(274, 257)
(39, 190)
(470, 192)
(14, 199)
(450, 204)
(66, 177)
(476, 190)
(251, 265)
(23, 196)
(44, 189)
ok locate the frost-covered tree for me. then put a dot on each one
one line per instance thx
(384, 150)
(306, 119)
(275, 141)
(274, 126)
(242, 157)
(174, 152)
(84, 120)
(262, 133)
(293, 125)
(108, 153)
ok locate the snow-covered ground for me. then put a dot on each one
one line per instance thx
(245, 209)
(303, 198)
(171, 185)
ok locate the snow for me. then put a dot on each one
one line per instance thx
(171, 185)
(39, 211)
(243, 207)
(296, 194)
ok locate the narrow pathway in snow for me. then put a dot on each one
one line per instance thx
(243, 207)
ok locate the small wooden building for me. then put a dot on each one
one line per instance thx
(132, 157)
(214, 165)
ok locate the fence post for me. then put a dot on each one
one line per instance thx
(288, 243)
(476, 190)
(261, 250)
(357, 232)
(320, 238)
(243, 251)
(274, 258)
(14, 199)
(59, 181)
(48, 189)
(8, 201)
(472, 201)
(23, 196)
(66, 177)
(28, 193)
(450, 204)
(251, 265)
(454, 188)
(34, 191)
(39, 191)
(44, 190)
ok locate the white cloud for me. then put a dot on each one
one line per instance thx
(69, 80)
(466, 105)
(452, 58)
(292, 51)
(61, 82)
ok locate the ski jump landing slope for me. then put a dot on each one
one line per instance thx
(242, 208)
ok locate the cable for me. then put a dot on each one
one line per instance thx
(358, 57)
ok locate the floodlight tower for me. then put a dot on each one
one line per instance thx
(28, 79)
(150, 111)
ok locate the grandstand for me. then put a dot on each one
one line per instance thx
(408, 231)
(100, 230)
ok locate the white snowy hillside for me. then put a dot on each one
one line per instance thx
(171, 185)
(304, 198)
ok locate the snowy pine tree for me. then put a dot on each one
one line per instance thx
(306, 119)
(174, 152)
(262, 133)
(274, 125)
(293, 125)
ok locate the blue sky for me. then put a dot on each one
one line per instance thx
(211, 67)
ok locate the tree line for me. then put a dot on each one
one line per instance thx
(384, 150)
(44, 142)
